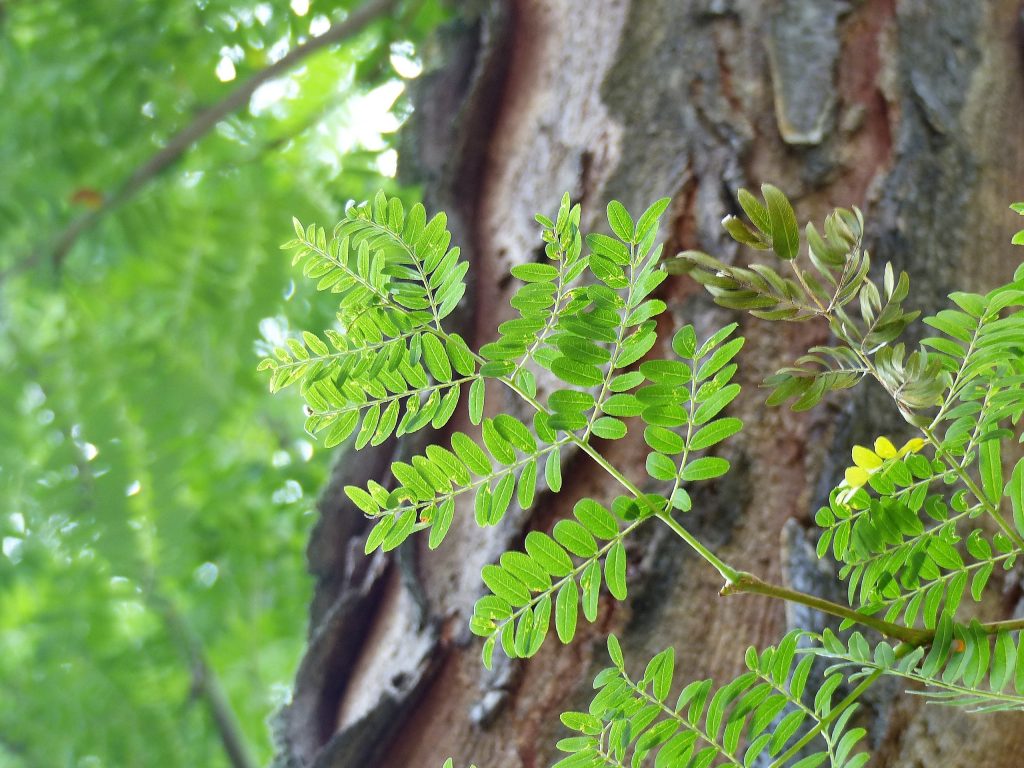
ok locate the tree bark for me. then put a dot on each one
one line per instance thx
(909, 109)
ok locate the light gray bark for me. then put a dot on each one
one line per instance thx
(911, 110)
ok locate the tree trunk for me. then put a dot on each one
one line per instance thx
(911, 110)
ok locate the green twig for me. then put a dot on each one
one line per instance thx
(747, 582)
(832, 715)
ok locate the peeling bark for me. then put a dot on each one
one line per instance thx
(908, 109)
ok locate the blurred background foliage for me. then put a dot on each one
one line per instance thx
(154, 501)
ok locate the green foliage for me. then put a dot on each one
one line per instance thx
(590, 335)
(839, 277)
(916, 530)
(906, 528)
(396, 278)
(980, 354)
(151, 496)
(898, 521)
(1018, 238)
(759, 715)
(967, 665)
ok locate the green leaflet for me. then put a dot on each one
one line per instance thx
(535, 273)
(615, 571)
(596, 519)
(566, 606)
(784, 231)
(1015, 490)
(660, 467)
(704, 468)
(620, 221)
(991, 470)
(715, 432)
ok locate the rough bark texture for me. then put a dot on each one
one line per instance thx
(910, 109)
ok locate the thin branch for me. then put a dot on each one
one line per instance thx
(832, 715)
(201, 125)
(751, 584)
(1006, 625)
(275, 143)
(206, 684)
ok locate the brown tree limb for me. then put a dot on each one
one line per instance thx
(206, 685)
(201, 125)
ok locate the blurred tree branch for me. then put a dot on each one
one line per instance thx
(201, 125)
(205, 683)
(280, 141)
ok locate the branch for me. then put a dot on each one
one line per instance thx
(201, 125)
(747, 582)
(832, 715)
(206, 685)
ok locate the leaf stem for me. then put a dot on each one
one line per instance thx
(617, 348)
(727, 572)
(807, 289)
(730, 574)
(1006, 625)
(749, 583)
(836, 711)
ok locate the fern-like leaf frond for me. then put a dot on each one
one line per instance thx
(821, 370)
(965, 666)
(759, 715)
(503, 466)
(842, 268)
(426, 276)
(981, 350)
(549, 295)
(558, 573)
(389, 367)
